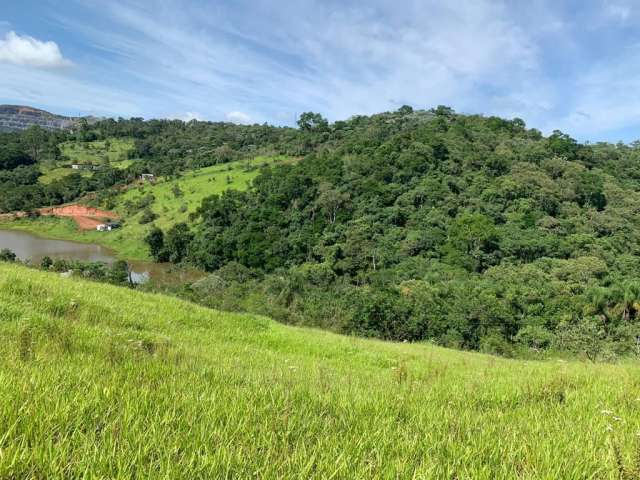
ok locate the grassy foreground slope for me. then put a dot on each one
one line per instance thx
(103, 382)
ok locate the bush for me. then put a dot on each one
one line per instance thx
(7, 255)
(147, 216)
(495, 343)
(534, 337)
(46, 263)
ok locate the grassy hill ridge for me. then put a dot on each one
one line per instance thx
(99, 381)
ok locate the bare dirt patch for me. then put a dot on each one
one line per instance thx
(77, 211)
(87, 218)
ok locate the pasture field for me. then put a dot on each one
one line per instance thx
(106, 382)
(113, 152)
(174, 199)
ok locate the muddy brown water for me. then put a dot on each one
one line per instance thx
(31, 248)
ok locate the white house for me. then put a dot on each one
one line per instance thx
(84, 166)
(107, 227)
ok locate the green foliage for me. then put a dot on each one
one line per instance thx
(310, 121)
(118, 273)
(46, 263)
(7, 255)
(411, 225)
(147, 216)
(12, 156)
(155, 241)
(436, 226)
(176, 242)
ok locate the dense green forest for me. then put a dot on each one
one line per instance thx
(469, 231)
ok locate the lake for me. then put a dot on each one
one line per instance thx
(30, 247)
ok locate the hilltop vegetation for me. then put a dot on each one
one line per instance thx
(472, 232)
(468, 231)
(161, 147)
(105, 382)
(31, 177)
(114, 153)
(38, 172)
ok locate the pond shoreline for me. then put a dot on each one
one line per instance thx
(33, 247)
(65, 228)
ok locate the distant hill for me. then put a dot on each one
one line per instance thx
(16, 117)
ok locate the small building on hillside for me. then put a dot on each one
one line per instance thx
(84, 166)
(148, 177)
(107, 227)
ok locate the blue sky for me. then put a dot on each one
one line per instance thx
(570, 65)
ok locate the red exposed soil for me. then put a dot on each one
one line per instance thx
(77, 211)
(87, 218)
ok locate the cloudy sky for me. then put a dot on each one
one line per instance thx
(570, 65)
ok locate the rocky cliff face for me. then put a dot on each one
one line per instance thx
(15, 117)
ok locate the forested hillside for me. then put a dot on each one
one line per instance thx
(469, 231)
(161, 147)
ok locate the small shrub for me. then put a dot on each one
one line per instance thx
(147, 216)
(7, 255)
(46, 263)
(177, 191)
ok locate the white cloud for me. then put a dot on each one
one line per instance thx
(188, 116)
(341, 61)
(29, 51)
(238, 117)
(617, 11)
(340, 58)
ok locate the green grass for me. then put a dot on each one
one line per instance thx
(195, 186)
(97, 153)
(50, 174)
(103, 382)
